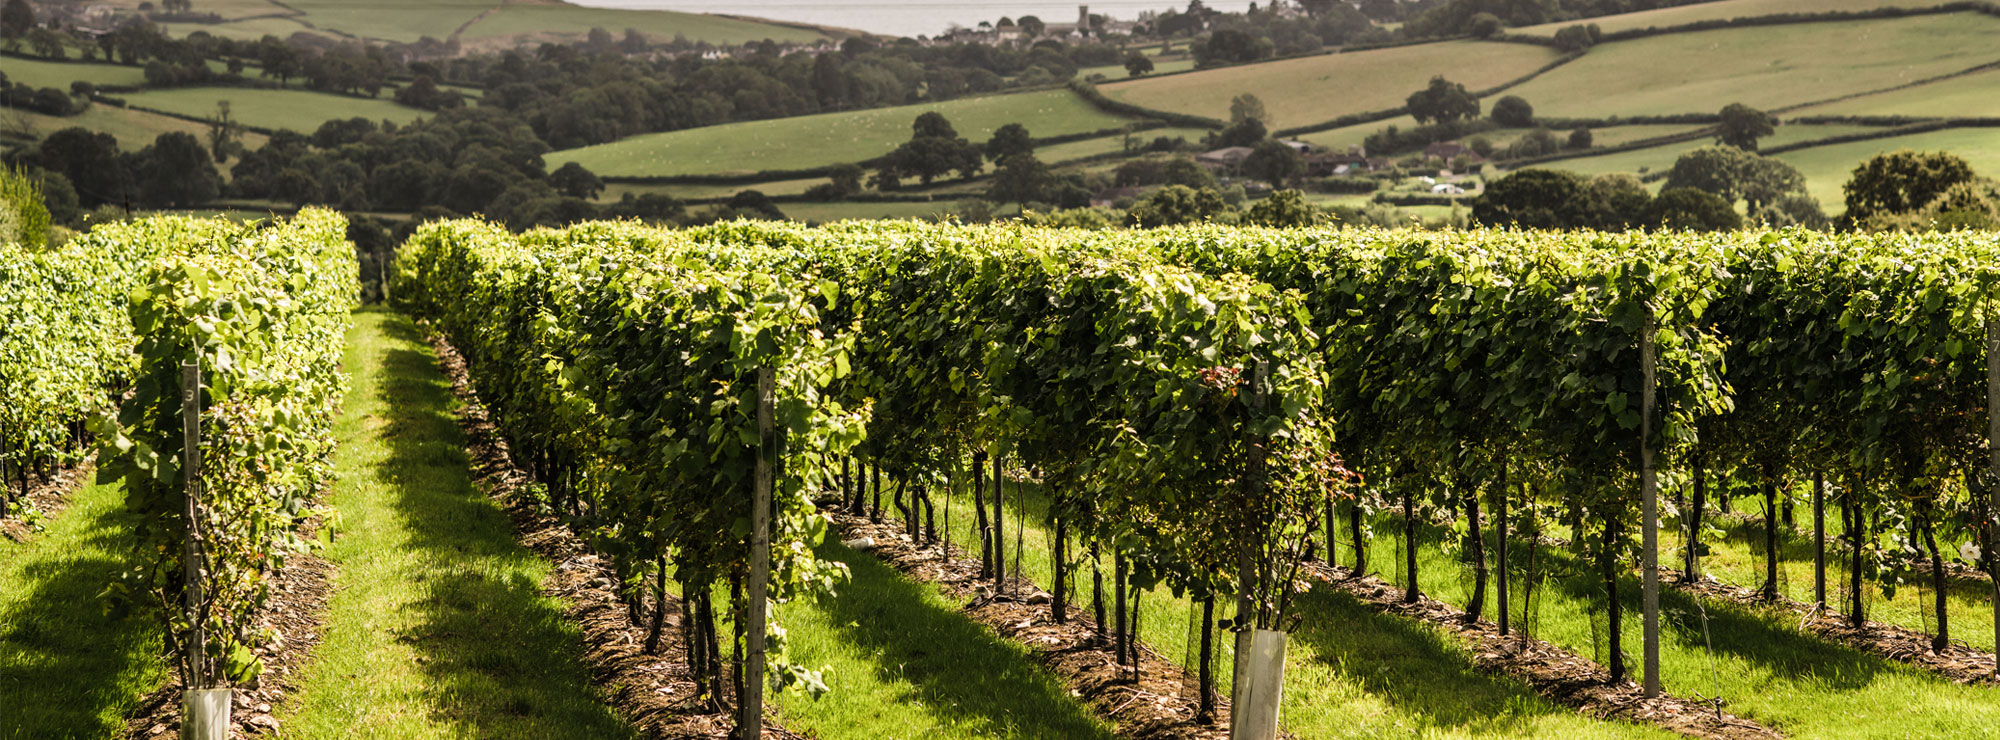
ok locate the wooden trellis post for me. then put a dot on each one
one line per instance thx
(1650, 491)
(204, 711)
(750, 724)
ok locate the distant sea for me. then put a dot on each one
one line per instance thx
(907, 17)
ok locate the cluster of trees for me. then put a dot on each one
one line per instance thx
(1260, 33)
(1908, 190)
(1702, 192)
(84, 169)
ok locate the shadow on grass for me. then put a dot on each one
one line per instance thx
(67, 669)
(1411, 666)
(1735, 629)
(499, 657)
(957, 668)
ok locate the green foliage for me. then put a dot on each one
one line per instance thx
(1273, 162)
(1177, 204)
(1732, 174)
(1443, 101)
(68, 339)
(1901, 182)
(24, 218)
(1285, 208)
(264, 313)
(1741, 126)
(1694, 210)
(564, 331)
(1513, 111)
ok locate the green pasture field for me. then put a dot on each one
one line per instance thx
(229, 10)
(299, 110)
(562, 19)
(1308, 90)
(399, 22)
(1349, 671)
(1827, 168)
(39, 73)
(829, 138)
(134, 129)
(1758, 662)
(1661, 158)
(248, 30)
(1973, 95)
(1767, 67)
(1720, 10)
(1117, 71)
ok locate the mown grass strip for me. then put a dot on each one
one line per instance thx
(1761, 665)
(68, 669)
(438, 628)
(1350, 672)
(905, 662)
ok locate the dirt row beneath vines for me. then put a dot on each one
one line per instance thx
(297, 614)
(1156, 708)
(655, 693)
(1560, 675)
(48, 499)
(1958, 661)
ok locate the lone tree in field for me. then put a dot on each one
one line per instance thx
(934, 150)
(1008, 141)
(1513, 111)
(1741, 126)
(1443, 101)
(573, 180)
(1137, 64)
(1245, 107)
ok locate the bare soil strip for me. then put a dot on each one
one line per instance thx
(1959, 662)
(1557, 674)
(655, 693)
(1156, 708)
(47, 499)
(297, 611)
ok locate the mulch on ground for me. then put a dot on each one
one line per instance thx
(1155, 708)
(297, 611)
(1958, 661)
(655, 693)
(1560, 675)
(47, 499)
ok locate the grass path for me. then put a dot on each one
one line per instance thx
(1350, 672)
(904, 662)
(67, 669)
(437, 628)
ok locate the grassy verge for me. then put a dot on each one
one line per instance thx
(67, 669)
(1349, 672)
(903, 662)
(1738, 558)
(438, 628)
(1759, 662)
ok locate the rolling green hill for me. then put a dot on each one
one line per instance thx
(299, 110)
(1717, 10)
(828, 138)
(1767, 67)
(1309, 90)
